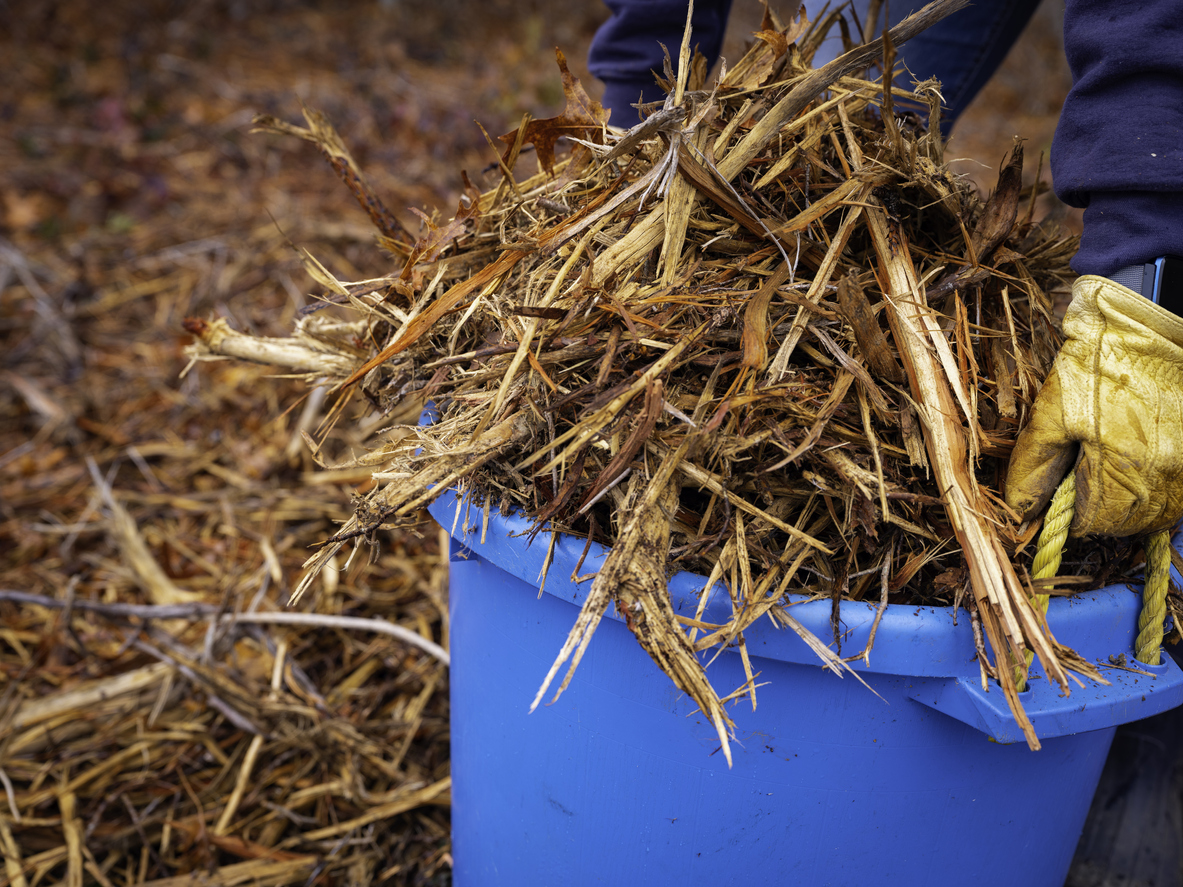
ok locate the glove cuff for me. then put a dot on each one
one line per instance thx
(1101, 299)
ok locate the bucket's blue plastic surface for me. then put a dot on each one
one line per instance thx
(620, 782)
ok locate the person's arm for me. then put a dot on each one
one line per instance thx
(1118, 149)
(1112, 408)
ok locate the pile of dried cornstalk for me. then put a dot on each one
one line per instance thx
(765, 335)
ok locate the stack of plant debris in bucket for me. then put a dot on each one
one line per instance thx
(764, 336)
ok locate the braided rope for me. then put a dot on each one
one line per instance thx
(1054, 534)
(1148, 647)
(1049, 553)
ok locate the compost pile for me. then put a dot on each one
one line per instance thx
(764, 336)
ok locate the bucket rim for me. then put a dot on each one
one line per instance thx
(910, 639)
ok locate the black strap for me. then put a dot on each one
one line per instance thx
(1161, 281)
(1168, 284)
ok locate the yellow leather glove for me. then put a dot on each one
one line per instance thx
(1116, 389)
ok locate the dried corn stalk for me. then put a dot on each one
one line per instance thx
(673, 342)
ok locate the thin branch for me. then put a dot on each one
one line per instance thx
(198, 611)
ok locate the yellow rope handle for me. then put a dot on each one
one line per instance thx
(1148, 646)
(1049, 553)
(1054, 535)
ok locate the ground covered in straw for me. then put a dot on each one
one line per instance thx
(202, 741)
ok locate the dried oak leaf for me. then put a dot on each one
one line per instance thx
(581, 118)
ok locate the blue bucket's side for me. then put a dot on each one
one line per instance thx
(620, 781)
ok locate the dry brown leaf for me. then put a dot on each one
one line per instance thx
(582, 119)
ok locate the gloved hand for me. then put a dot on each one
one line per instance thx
(1116, 389)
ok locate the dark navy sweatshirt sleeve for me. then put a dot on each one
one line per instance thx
(1118, 148)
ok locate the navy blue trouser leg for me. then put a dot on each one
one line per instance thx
(627, 48)
(962, 51)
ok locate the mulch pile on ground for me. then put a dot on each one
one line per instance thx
(131, 195)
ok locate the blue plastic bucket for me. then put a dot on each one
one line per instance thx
(620, 782)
